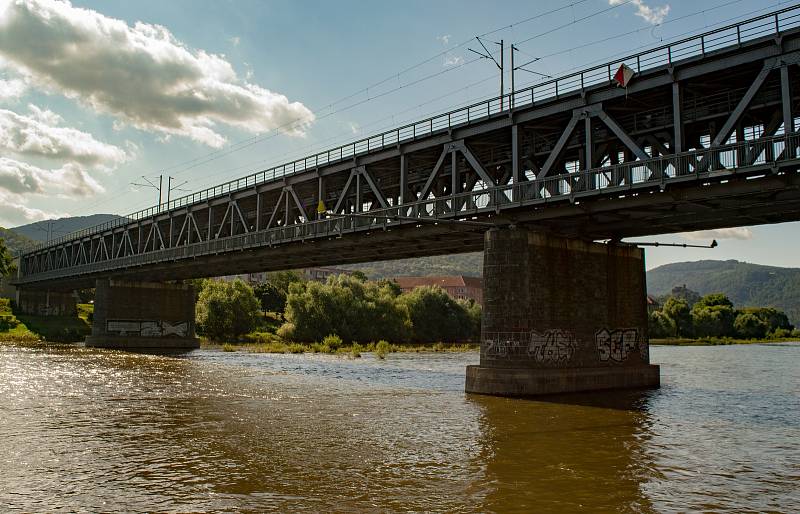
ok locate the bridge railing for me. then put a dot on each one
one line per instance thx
(757, 156)
(602, 75)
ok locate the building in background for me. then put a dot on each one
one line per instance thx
(458, 287)
(316, 274)
(322, 274)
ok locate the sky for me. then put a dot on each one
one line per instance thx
(97, 97)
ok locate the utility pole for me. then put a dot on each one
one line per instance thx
(522, 67)
(513, 90)
(488, 55)
(170, 189)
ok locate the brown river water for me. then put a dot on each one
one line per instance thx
(103, 431)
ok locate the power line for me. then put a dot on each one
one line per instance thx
(256, 139)
(641, 47)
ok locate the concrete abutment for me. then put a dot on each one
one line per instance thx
(561, 315)
(143, 316)
(40, 302)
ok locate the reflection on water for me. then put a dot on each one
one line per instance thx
(110, 431)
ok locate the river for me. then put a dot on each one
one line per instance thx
(92, 430)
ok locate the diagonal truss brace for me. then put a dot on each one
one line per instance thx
(474, 162)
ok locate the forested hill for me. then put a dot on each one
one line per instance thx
(467, 264)
(13, 241)
(61, 227)
(744, 283)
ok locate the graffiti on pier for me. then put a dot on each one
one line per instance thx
(147, 328)
(547, 347)
(552, 346)
(618, 344)
(505, 344)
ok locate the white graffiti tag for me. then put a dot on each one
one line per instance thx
(552, 346)
(178, 329)
(617, 345)
(504, 344)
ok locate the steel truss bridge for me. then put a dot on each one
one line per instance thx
(703, 137)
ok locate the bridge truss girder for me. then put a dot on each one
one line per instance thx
(746, 94)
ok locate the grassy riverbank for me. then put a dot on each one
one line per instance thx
(264, 342)
(718, 341)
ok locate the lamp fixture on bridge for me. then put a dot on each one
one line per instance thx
(713, 244)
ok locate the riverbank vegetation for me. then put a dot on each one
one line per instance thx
(687, 318)
(346, 315)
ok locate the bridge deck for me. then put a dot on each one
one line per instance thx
(699, 139)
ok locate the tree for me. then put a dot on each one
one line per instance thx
(359, 275)
(713, 316)
(660, 325)
(354, 310)
(6, 260)
(474, 313)
(774, 318)
(750, 326)
(678, 311)
(435, 316)
(714, 300)
(226, 310)
(270, 297)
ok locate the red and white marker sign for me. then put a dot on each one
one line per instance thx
(624, 75)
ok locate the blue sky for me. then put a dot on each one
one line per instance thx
(93, 95)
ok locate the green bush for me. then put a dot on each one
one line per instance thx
(382, 349)
(332, 341)
(750, 326)
(7, 323)
(295, 348)
(355, 310)
(660, 325)
(713, 316)
(355, 350)
(435, 316)
(226, 310)
(678, 311)
(780, 333)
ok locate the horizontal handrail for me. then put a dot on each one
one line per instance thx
(692, 46)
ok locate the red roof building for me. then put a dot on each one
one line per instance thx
(458, 287)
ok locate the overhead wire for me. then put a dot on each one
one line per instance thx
(255, 140)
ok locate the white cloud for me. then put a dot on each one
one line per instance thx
(20, 178)
(38, 135)
(141, 74)
(12, 89)
(445, 39)
(234, 40)
(741, 233)
(453, 60)
(652, 15)
(354, 127)
(14, 212)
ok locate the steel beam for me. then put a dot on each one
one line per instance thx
(373, 185)
(677, 117)
(725, 131)
(786, 101)
(555, 153)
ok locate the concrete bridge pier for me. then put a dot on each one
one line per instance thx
(143, 316)
(561, 315)
(41, 302)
